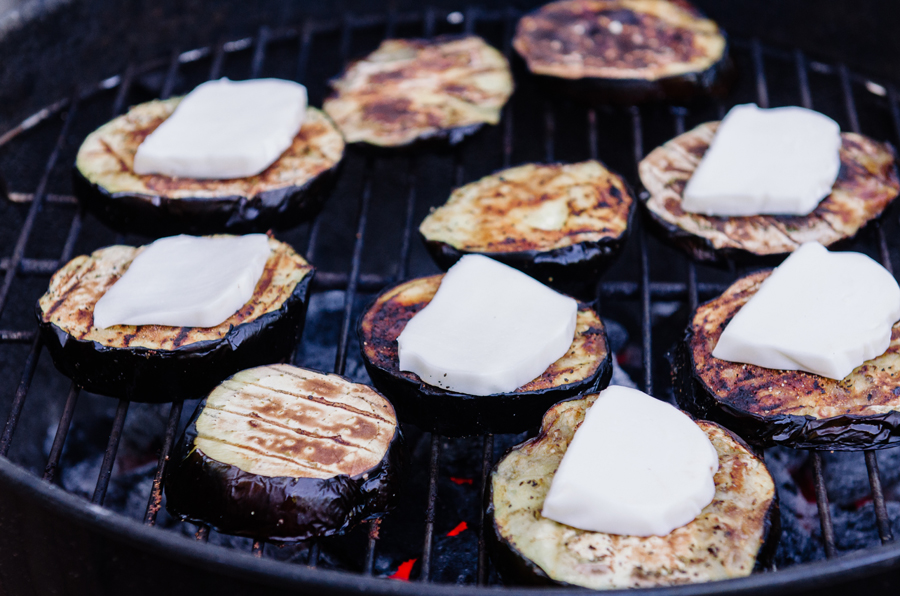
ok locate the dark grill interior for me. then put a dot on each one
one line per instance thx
(365, 240)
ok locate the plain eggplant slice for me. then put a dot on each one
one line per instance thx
(416, 89)
(786, 407)
(556, 222)
(866, 185)
(288, 191)
(587, 366)
(732, 536)
(624, 51)
(285, 453)
(156, 363)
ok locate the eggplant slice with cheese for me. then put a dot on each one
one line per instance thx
(288, 191)
(866, 185)
(415, 89)
(156, 363)
(733, 535)
(787, 407)
(587, 366)
(285, 453)
(625, 51)
(556, 222)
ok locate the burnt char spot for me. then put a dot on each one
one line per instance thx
(181, 337)
(322, 388)
(388, 110)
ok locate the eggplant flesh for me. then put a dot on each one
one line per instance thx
(792, 408)
(157, 363)
(559, 223)
(410, 90)
(733, 535)
(587, 366)
(290, 190)
(866, 185)
(625, 51)
(286, 454)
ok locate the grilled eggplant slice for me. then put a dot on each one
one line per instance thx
(786, 407)
(291, 189)
(732, 536)
(865, 186)
(556, 222)
(156, 363)
(285, 453)
(587, 366)
(415, 89)
(625, 51)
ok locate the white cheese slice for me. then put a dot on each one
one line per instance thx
(489, 329)
(636, 466)
(820, 312)
(225, 129)
(185, 281)
(777, 161)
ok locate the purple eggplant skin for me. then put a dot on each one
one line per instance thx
(202, 490)
(188, 372)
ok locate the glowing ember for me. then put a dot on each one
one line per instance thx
(462, 527)
(403, 570)
(461, 481)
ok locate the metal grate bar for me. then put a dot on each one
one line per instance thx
(21, 393)
(62, 430)
(425, 573)
(549, 132)
(487, 460)
(305, 46)
(430, 21)
(71, 238)
(679, 113)
(374, 529)
(16, 337)
(109, 456)
(849, 102)
(406, 239)
(155, 501)
(762, 87)
(646, 330)
(27, 197)
(259, 52)
(803, 78)
(592, 133)
(215, 69)
(171, 76)
(881, 515)
(124, 88)
(822, 504)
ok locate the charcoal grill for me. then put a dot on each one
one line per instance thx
(52, 541)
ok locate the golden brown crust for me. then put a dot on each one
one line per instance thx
(409, 89)
(618, 39)
(106, 158)
(866, 184)
(79, 284)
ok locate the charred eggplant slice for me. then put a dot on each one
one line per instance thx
(732, 536)
(624, 51)
(555, 222)
(291, 189)
(285, 453)
(866, 185)
(416, 89)
(155, 363)
(786, 407)
(587, 366)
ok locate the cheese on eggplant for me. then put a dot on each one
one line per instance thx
(820, 312)
(644, 481)
(225, 129)
(778, 161)
(185, 281)
(489, 329)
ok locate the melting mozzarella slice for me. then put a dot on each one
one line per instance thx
(820, 312)
(185, 281)
(636, 466)
(225, 129)
(777, 161)
(489, 329)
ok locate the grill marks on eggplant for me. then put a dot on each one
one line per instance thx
(866, 185)
(412, 89)
(732, 535)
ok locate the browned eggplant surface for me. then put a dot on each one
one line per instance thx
(555, 222)
(285, 453)
(285, 192)
(585, 367)
(733, 535)
(159, 363)
(411, 89)
(793, 408)
(865, 186)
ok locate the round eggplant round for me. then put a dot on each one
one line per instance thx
(284, 453)
(866, 185)
(288, 191)
(587, 366)
(786, 407)
(562, 224)
(412, 90)
(156, 363)
(734, 535)
(625, 51)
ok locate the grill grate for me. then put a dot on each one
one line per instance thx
(642, 288)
